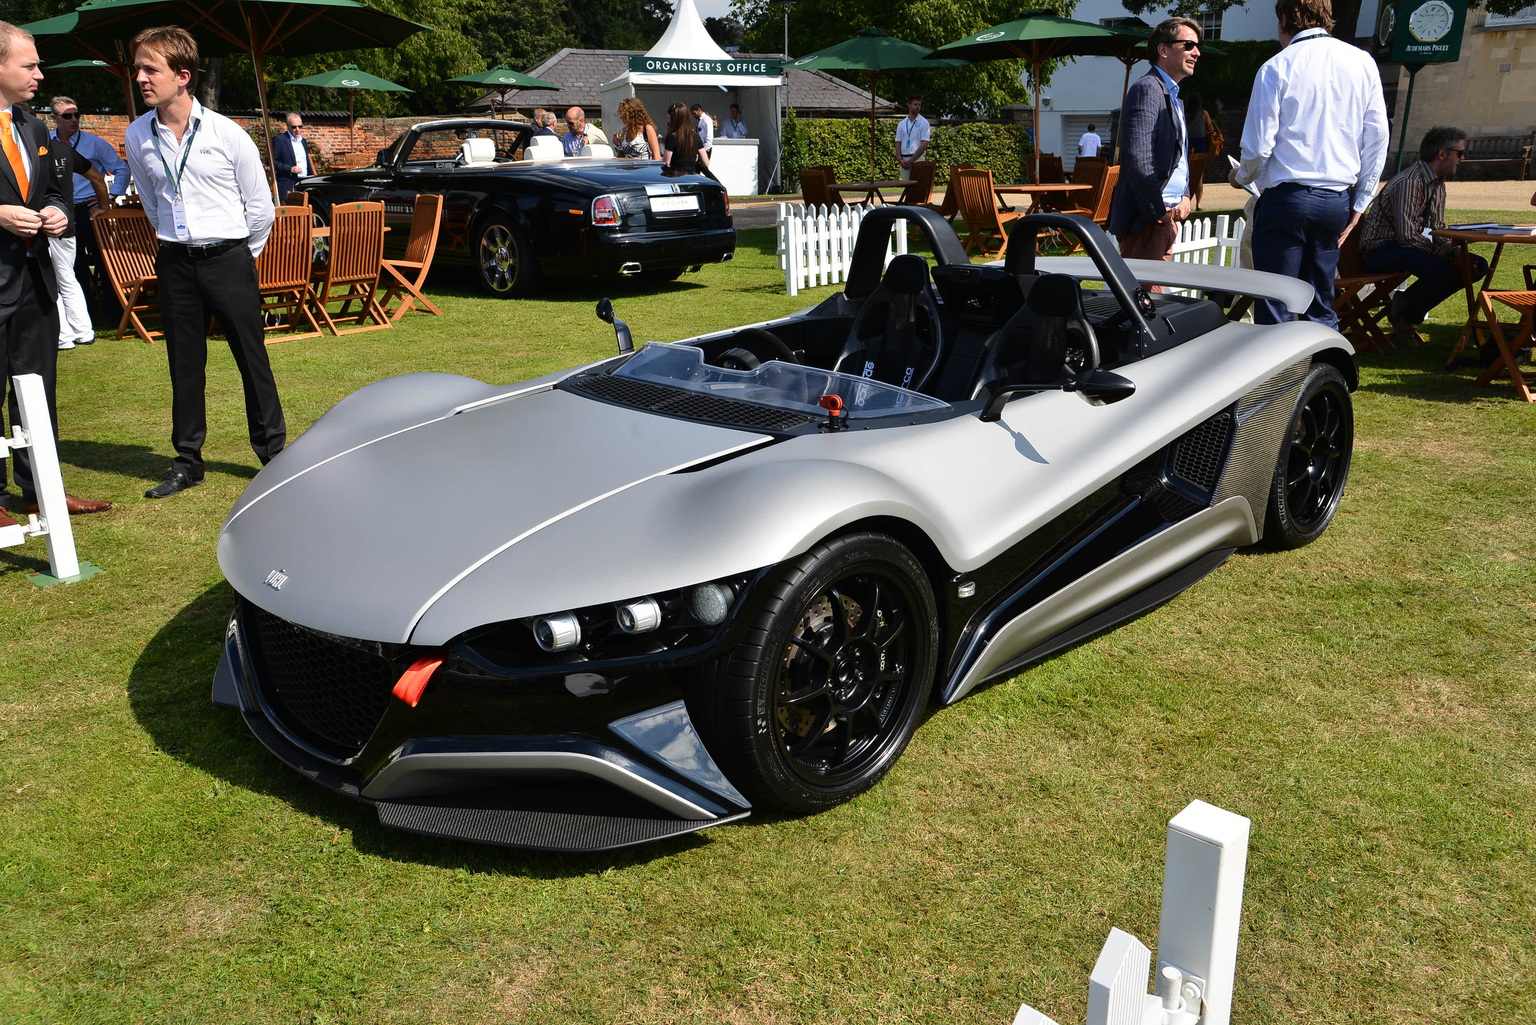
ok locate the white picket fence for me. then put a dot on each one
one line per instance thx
(816, 243)
(35, 432)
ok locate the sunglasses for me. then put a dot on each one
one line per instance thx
(68, 117)
(1184, 44)
(1462, 153)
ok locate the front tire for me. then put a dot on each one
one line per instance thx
(1314, 461)
(824, 692)
(504, 258)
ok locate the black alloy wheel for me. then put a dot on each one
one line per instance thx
(822, 696)
(1314, 461)
(504, 258)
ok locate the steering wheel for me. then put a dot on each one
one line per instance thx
(753, 347)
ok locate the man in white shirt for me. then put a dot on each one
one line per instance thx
(706, 125)
(201, 180)
(1088, 145)
(912, 134)
(1314, 142)
(734, 127)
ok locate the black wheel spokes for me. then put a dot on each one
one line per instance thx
(1316, 454)
(846, 673)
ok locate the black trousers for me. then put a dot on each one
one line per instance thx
(194, 286)
(29, 344)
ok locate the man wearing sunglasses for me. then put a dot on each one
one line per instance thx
(89, 270)
(1314, 142)
(1396, 233)
(1152, 196)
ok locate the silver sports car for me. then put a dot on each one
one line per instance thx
(730, 573)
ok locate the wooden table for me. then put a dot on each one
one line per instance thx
(872, 190)
(1037, 192)
(1464, 239)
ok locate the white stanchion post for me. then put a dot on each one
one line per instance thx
(36, 434)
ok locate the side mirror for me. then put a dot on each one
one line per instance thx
(620, 329)
(1100, 386)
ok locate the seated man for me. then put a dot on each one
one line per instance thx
(1395, 236)
(580, 133)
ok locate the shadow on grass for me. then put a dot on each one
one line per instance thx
(169, 691)
(1419, 372)
(136, 461)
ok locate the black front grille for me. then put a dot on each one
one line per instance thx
(326, 693)
(689, 405)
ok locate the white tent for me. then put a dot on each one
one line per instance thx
(687, 66)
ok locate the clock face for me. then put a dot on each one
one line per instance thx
(1386, 23)
(1431, 22)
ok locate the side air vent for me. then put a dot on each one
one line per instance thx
(688, 405)
(1198, 456)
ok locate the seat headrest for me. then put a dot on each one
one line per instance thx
(1055, 295)
(907, 275)
(479, 151)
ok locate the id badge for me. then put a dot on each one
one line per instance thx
(179, 215)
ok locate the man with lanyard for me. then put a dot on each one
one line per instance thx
(1314, 142)
(34, 209)
(734, 127)
(911, 135)
(203, 187)
(89, 268)
(1152, 195)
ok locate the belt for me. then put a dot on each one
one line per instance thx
(203, 252)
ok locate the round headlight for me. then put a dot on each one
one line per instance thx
(710, 603)
(559, 632)
(639, 616)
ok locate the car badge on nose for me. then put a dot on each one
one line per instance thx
(276, 579)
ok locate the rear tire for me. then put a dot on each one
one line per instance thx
(504, 258)
(825, 690)
(1314, 461)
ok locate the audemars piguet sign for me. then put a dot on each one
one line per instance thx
(689, 66)
(1420, 31)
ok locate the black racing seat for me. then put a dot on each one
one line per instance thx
(896, 337)
(1047, 342)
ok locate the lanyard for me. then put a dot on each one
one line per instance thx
(186, 151)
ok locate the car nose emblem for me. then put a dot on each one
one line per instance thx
(276, 579)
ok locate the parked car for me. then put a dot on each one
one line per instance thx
(518, 221)
(665, 589)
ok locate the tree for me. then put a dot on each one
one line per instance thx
(976, 89)
(725, 31)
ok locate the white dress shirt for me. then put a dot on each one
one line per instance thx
(734, 128)
(1317, 118)
(300, 155)
(909, 132)
(706, 133)
(223, 187)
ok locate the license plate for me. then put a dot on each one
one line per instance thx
(674, 204)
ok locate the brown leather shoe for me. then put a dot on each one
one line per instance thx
(6, 520)
(78, 506)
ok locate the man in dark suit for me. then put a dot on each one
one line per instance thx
(1153, 192)
(35, 205)
(291, 156)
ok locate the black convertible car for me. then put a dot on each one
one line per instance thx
(518, 210)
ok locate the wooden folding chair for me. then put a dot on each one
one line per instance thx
(920, 192)
(814, 191)
(1105, 195)
(1051, 169)
(949, 209)
(351, 275)
(1523, 303)
(283, 272)
(978, 205)
(1084, 163)
(128, 245)
(1361, 297)
(1080, 203)
(405, 277)
(296, 199)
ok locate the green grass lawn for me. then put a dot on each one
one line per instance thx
(1367, 702)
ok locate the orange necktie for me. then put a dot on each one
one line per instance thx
(13, 154)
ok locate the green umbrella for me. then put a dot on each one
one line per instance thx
(348, 77)
(872, 52)
(79, 64)
(1036, 36)
(503, 79)
(101, 29)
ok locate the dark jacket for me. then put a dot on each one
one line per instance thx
(1149, 152)
(283, 159)
(48, 188)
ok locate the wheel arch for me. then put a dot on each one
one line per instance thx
(1341, 361)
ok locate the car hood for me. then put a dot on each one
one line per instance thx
(361, 538)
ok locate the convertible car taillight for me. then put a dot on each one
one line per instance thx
(605, 212)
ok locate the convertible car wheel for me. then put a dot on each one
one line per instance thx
(505, 260)
(1314, 461)
(824, 692)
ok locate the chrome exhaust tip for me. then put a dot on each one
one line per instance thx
(629, 270)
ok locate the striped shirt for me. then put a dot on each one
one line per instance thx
(1411, 204)
(1317, 118)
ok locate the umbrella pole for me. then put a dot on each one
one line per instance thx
(874, 79)
(1037, 122)
(351, 120)
(259, 64)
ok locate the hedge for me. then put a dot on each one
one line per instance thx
(844, 144)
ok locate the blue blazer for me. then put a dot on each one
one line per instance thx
(283, 159)
(1149, 153)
